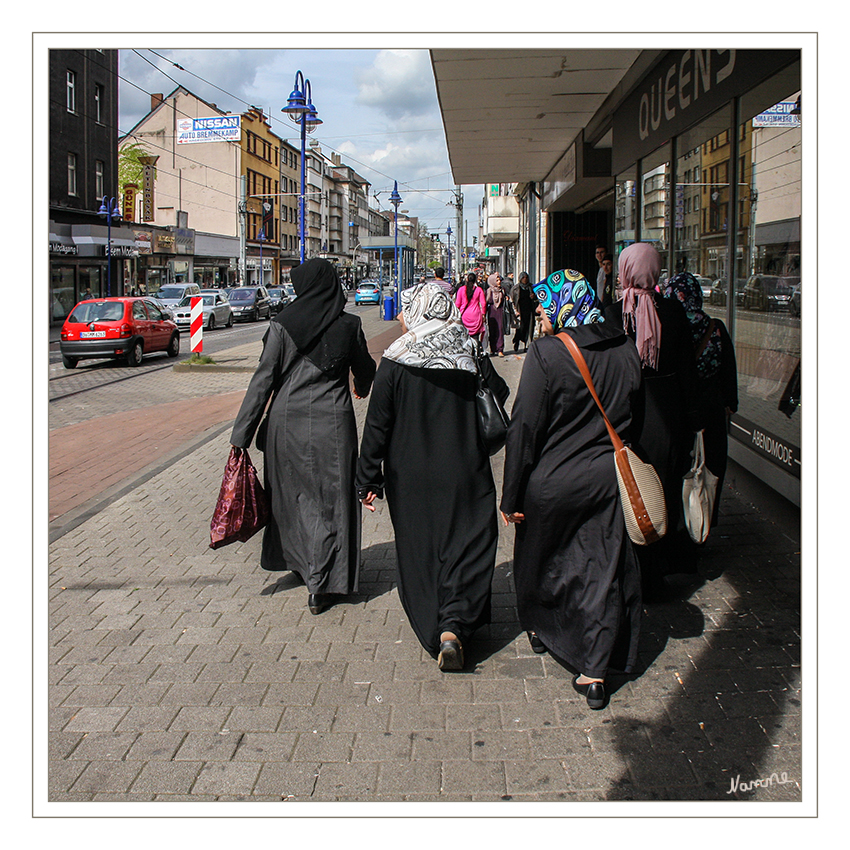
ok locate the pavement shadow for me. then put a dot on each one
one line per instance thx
(717, 702)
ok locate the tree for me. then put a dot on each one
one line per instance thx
(129, 168)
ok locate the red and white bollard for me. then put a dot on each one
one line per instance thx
(196, 325)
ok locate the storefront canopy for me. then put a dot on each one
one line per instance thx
(509, 115)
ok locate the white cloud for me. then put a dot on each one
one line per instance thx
(399, 84)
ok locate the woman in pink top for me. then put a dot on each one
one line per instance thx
(472, 304)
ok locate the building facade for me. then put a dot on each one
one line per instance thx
(83, 168)
(697, 151)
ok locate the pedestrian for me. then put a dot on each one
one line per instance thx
(524, 303)
(605, 293)
(421, 445)
(439, 279)
(601, 253)
(496, 314)
(665, 438)
(576, 575)
(309, 437)
(88, 295)
(717, 372)
(472, 304)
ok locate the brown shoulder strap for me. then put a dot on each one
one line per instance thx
(569, 342)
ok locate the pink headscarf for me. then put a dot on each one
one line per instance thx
(640, 267)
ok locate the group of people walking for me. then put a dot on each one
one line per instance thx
(490, 311)
(578, 577)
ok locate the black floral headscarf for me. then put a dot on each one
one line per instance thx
(686, 289)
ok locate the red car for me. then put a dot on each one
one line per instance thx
(117, 327)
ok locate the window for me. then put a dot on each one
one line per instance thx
(71, 91)
(99, 94)
(72, 174)
(98, 179)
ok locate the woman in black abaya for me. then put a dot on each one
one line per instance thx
(421, 444)
(310, 437)
(662, 335)
(577, 580)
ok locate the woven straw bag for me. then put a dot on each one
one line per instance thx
(641, 493)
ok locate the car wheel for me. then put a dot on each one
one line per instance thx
(135, 353)
(69, 362)
(229, 321)
(173, 346)
(211, 325)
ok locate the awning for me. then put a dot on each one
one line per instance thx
(509, 115)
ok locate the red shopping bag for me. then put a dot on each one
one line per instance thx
(242, 508)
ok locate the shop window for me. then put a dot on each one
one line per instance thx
(768, 298)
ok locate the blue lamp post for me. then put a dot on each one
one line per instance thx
(449, 234)
(109, 209)
(395, 200)
(301, 111)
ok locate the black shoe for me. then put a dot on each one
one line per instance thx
(317, 602)
(593, 691)
(451, 655)
(536, 643)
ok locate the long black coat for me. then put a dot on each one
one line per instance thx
(310, 457)
(576, 574)
(714, 396)
(420, 444)
(664, 436)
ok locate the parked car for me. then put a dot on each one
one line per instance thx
(706, 284)
(216, 307)
(795, 302)
(250, 303)
(368, 292)
(281, 296)
(172, 294)
(768, 292)
(117, 327)
(718, 295)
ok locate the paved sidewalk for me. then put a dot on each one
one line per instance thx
(179, 673)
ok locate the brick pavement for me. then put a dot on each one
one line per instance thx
(181, 673)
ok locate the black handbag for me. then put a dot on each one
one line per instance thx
(492, 418)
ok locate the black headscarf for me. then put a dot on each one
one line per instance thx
(311, 319)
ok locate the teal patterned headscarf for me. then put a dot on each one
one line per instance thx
(568, 300)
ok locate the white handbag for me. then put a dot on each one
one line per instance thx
(699, 491)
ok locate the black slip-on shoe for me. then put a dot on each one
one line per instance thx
(536, 644)
(594, 692)
(451, 655)
(317, 602)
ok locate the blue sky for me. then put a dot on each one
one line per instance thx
(379, 108)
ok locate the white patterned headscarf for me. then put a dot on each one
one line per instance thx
(436, 337)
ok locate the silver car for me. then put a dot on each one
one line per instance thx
(217, 311)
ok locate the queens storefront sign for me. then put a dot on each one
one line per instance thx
(684, 87)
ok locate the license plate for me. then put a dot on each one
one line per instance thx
(92, 334)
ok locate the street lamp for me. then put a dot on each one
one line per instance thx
(395, 200)
(109, 209)
(449, 234)
(301, 111)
